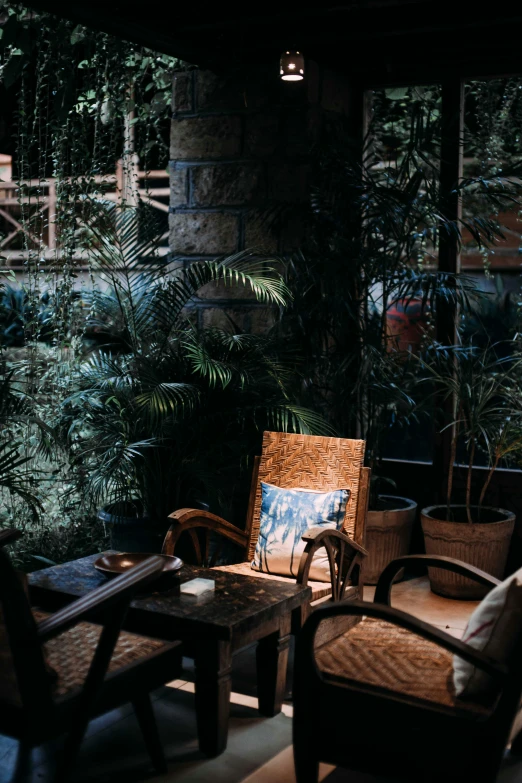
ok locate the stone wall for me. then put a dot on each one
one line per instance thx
(240, 170)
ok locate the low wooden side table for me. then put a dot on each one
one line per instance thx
(240, 611)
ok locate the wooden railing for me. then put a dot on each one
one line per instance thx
(28, 211)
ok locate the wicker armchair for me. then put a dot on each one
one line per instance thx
(392, 675)
(57, 672)
(308, 462)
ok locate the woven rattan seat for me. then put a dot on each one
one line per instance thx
(379, 654)
(319, 589)
(70, 654)
(392, 675)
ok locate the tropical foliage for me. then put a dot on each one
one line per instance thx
(75, 102)
(164, 409)
(375, 232)
(146, 401)
(16, 410)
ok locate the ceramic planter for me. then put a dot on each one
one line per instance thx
(482, 544)
(130, 528)
(388, 535)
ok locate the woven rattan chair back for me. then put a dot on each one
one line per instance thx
(308, 462)
(23, 676)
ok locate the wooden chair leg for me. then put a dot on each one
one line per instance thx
(149, 728)
(71, 748)
(23, 761)
(306, 765)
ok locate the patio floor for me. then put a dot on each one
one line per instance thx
(259, 749)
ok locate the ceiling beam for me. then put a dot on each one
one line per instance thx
(378, 42)
(152, 33)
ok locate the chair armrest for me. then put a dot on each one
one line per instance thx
(410, 623)
(191, 518)
(384, 585)
(350, 552)
(118, 591)
(9, 536)
(318, 534)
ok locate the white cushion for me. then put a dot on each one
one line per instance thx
(286, 514)
(493, 628)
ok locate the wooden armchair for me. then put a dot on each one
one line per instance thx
(391, 674)
(57, 672)
(307, 462)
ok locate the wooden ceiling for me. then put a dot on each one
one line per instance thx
(375, 41)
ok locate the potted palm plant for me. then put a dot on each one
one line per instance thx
(164, 410)
(374, 228)
(385, 397)
(485, 388)
(354, 270)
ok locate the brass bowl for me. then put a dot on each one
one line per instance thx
(113, 565)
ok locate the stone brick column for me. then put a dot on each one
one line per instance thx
(240, 169)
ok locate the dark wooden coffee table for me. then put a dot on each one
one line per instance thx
(241, 610)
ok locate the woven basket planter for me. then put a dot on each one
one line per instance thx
(482, 544)
(388, 535)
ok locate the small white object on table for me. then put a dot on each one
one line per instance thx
(197, 587)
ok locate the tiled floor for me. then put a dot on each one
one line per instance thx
(259, 749)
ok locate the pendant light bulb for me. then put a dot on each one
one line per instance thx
(291, 67)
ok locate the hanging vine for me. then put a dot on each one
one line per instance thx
(86, 107)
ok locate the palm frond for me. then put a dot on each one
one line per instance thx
(167, 399)
(434, 288)
(12, 479)
(208, 367)
(121, 236)
(293, 418)
(248, 268)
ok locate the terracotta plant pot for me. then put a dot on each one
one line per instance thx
(483, 544)
(406, 323)
(388, 535)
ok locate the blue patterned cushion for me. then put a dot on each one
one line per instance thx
(286, 514)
